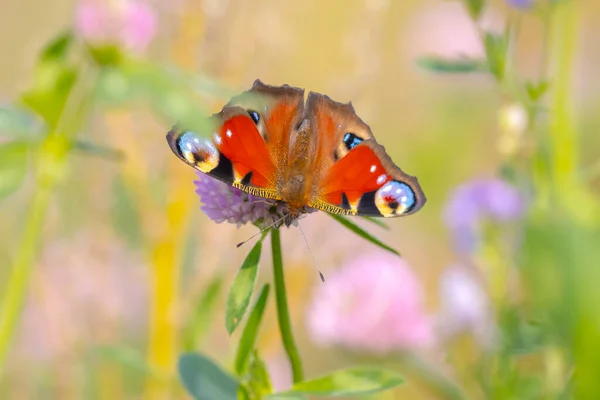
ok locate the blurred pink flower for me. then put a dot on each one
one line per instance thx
(88, 290)
(127, 23)
(465, 306)
(373, 304)
(445, 29)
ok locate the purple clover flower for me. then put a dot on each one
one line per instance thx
(479, 201)
(521, 4)
(222, 202)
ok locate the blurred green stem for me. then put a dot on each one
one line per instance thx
(51, 164)
(283, 316)
(21, 270)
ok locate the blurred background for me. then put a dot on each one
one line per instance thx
(122, 271)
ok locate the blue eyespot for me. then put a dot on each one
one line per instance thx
(395, 198)
(351, 140)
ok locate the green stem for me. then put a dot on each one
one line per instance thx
(51, 164)
(21, 271)
(283, 315)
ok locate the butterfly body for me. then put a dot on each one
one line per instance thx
(269, 143)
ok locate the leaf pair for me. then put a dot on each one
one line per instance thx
(206, 381)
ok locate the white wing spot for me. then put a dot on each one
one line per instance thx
(398, 191)
(217, 138)
(189, 146)
(381, 178)
(373, 168)
(196, 140)
(228, 133)
(387, 188)
(403, 199)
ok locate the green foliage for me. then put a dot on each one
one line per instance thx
(250, 333)
(199, 322)
(537, 91)
(128, 357)
(13, 166)
(17, 123)
(362, 233)
(348, 382)
(452, 66)
(496, 47)
(475, 7)
(54, 77)
(259, 383)
(240, 292)
(204, 380)
(167, 91)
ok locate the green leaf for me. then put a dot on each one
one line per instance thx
(378, 221)
(13, 166)
(204, 380)
(107, 55)
(259, 382)
(58, 48)
(18, 123)
(242, 288)
(536, 91)
(348, 382)
(199, 323)
(451, 66)
(250, 332)
(362, 233)
(52, 85)
(475, 7)
(95, 150)
(496, 48)
(126, 356)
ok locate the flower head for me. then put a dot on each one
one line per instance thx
(478, 201)
(521, 4)
(373, 304)
(465, 305)
(222, 202)
(127, 23)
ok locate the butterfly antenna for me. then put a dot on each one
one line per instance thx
(261, 231)
(312, 254)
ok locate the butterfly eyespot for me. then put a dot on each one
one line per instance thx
(351, 140)
(254, 115)
(394, 198)
(200, 153)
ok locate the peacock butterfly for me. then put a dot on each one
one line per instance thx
(268, 142)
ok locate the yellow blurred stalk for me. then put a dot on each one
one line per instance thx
(163, 346)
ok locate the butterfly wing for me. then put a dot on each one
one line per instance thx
(355, 175)
(250, 139)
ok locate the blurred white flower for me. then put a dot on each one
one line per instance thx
(465, 306)
(514, 121)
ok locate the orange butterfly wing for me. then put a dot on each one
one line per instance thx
(250, 142)
(355, 174)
